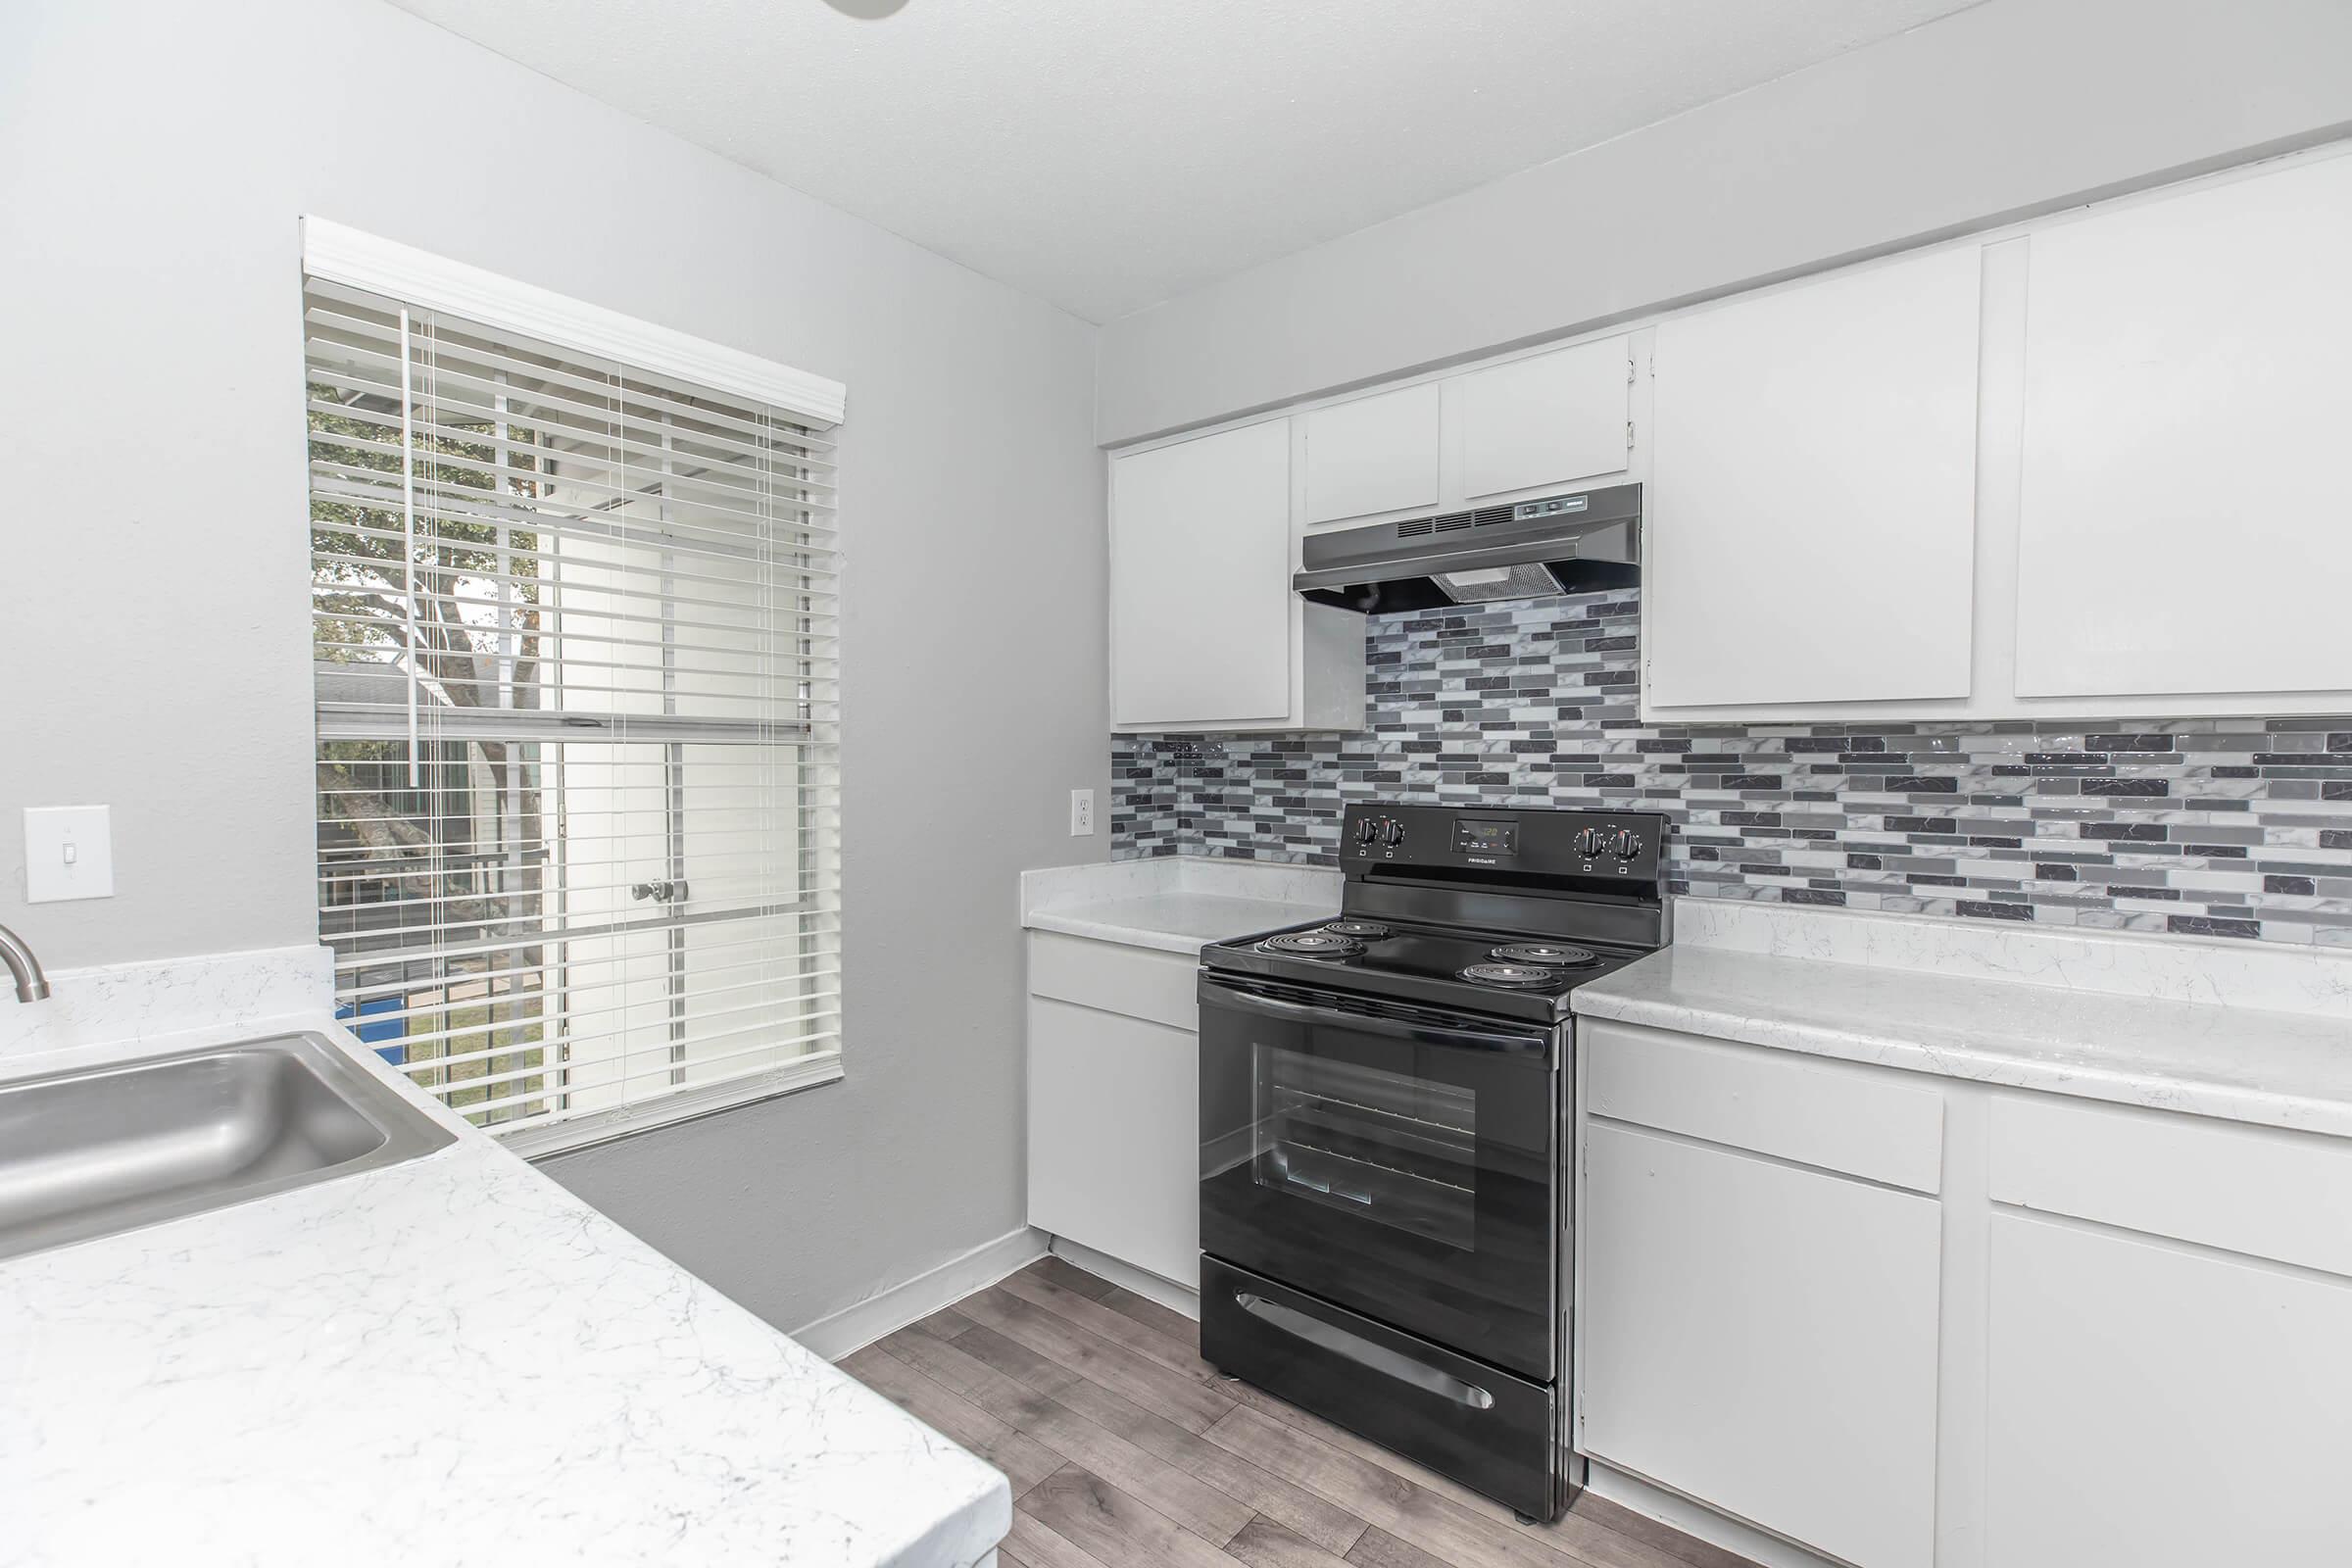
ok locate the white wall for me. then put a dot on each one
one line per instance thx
(154, 633)
(2014, 107)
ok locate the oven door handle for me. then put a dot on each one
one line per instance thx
(1372, 1023)
(1362, 1351)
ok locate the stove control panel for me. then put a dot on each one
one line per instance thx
(1486, 840)
(1533, 841)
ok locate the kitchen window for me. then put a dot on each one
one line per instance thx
(574, 660)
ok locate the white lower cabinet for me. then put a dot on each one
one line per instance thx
(1114, 1103)
(1766, 1341)
(2163, 1407)
(1759, 1330)
(2169, 1362)
(2058, 1334)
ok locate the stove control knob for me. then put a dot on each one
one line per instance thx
(1366, 829)
(1391, 832)
(1587, 842)
(1624, 844)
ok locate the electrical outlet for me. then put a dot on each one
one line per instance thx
(69, 853)
(1082, 814)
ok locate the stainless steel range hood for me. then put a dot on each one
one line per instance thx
(1564, 544)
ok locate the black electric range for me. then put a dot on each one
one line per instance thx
(1385, 1131)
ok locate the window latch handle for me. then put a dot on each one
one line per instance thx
(672, 892)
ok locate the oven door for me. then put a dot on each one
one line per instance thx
(1395, 1160)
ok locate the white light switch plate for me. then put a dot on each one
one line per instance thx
(1082, 814)
(69, 853)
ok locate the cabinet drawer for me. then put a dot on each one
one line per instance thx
(2261, 1190)
(1855, 1120)
(1138, 982)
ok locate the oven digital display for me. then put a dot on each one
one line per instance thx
(1486, 838)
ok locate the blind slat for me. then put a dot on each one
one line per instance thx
(385, 986)
(579, 1022)
(680, 478)
(461, 346)
(595, 598)
(640, 1064)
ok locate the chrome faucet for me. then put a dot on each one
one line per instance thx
(32, 984)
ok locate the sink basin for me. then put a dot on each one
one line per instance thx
(109, 1148)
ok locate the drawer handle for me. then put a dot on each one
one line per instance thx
(1362, 1351)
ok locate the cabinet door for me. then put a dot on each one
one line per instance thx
(1763, 1338)
(1553, 420)
(1375, 453)
(1202, 614)
(2184, 523)
(2163, 1409)
(1812, 516)
(1114, 1136)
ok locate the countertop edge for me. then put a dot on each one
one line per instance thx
(2002, 1060)
(1128, 936)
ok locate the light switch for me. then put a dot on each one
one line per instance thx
(69, 853)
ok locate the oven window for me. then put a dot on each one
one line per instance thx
(1382, 1146)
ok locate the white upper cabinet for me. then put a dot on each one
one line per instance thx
(1548, 421)
(1372, 456)
(1200, 602)
(1204, 630)
(1812, 512)
(2184, 524)
(1552, 421)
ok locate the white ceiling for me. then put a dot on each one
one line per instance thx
(1108, 154)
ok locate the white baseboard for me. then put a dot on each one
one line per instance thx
(857, 1326)
(1698, 1519)
(1142, 1281)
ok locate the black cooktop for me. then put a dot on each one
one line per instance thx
(1520, 978)
(1502, 910)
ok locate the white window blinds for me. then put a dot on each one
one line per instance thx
(575, 669)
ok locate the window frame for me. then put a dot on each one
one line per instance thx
(418, 281)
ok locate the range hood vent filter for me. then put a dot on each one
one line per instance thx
(1482, 583)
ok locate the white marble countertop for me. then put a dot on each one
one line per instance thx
(2201, 1027)
(448, 1361)
(1176, 904)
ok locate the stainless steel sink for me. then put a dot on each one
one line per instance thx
(109, 1148)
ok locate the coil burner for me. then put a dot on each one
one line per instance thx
(1512, 976)
(1544, 955)
(1312, 945)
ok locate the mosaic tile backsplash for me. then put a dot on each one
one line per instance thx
(2233, 828)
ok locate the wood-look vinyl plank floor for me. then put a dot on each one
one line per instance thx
(1595, 1531)
(1126, 1449)
(1305, 1514)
